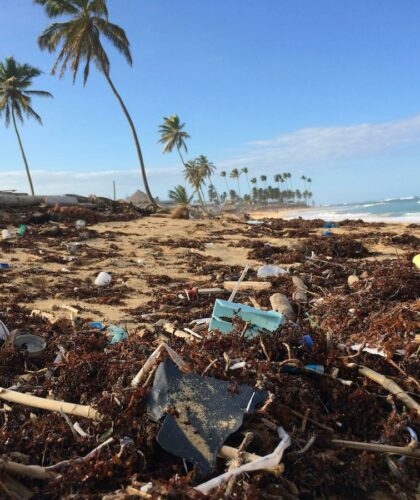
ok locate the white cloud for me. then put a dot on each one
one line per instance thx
(320, 146)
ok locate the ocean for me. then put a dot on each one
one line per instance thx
(390, 210)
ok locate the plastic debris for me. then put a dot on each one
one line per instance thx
(267, 462)
(96, 324)
(4, 265)
(6, 234)
(416, 260)
(103, 279)
(115, 334)
(307, 342)
(80, 224)
(270, 271)
(22, 230)
(32, 344)
(4, 331)
(327, 233)
(258, 320)
(203, 413)
(329, 225)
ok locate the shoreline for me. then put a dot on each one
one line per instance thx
(327, 214)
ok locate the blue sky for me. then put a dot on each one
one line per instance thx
(325, 88)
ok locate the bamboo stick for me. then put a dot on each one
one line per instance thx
(230, 286)
(389, 385)
(49, 404)
(378, 448)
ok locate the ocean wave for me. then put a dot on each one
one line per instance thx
(373, 204)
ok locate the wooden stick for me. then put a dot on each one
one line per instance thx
(49, 404)
(237, 283)
(246, 285)
(378, 448)
(27, 470)
(389, 385)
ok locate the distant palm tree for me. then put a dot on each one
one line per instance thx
(179, 195)
(16, 99)
(194, 175)
(254, 180)
(80, 40)
(277, 178)
(172, 135)
(304, 181)
(263, 179)
(213, 194)
(244, 170)
(235, 175)
(223, 174)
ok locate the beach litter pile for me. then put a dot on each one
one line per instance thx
(296, 380)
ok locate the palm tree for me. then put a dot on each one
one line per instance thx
(179, 195)
(213, 194)
(80, 40)
(223, 174)
(263, 179)
(235, 174)
(207, 167)
(303, 178)
(16, 99)
(277, 178)
(244, 170)
(193, 174)
(172, 135)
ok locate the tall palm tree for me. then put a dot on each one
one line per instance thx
(224, 175)
(235, 174)
(179, 195)
(79, 39)
(303, 178)
(172, 135)
(16, 99)
(244, 170)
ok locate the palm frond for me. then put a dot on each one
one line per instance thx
(55, 8)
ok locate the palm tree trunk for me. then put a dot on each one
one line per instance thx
(23, 154)
(239, 188)
(180, 155)
(135, 137)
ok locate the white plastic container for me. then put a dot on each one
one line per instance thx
(270, 271)
(103, 279)
(6, 234)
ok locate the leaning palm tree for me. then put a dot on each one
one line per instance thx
(235, 175)
(179, 195)
(207, 167)
(172, 136)
(16, 99)
(79, 39)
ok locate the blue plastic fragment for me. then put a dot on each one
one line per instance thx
(327, 233)
(96, 324)
(296, 369)
(316, 368)
(329, 225)
(258, 320)
(115, 334)
(4, 265)
(307, 342)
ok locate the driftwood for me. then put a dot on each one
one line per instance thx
(49, 404)
(247, 285)
(408, 451)
(389, 385)
(34, 471)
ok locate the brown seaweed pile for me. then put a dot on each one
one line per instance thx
(379, 310)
